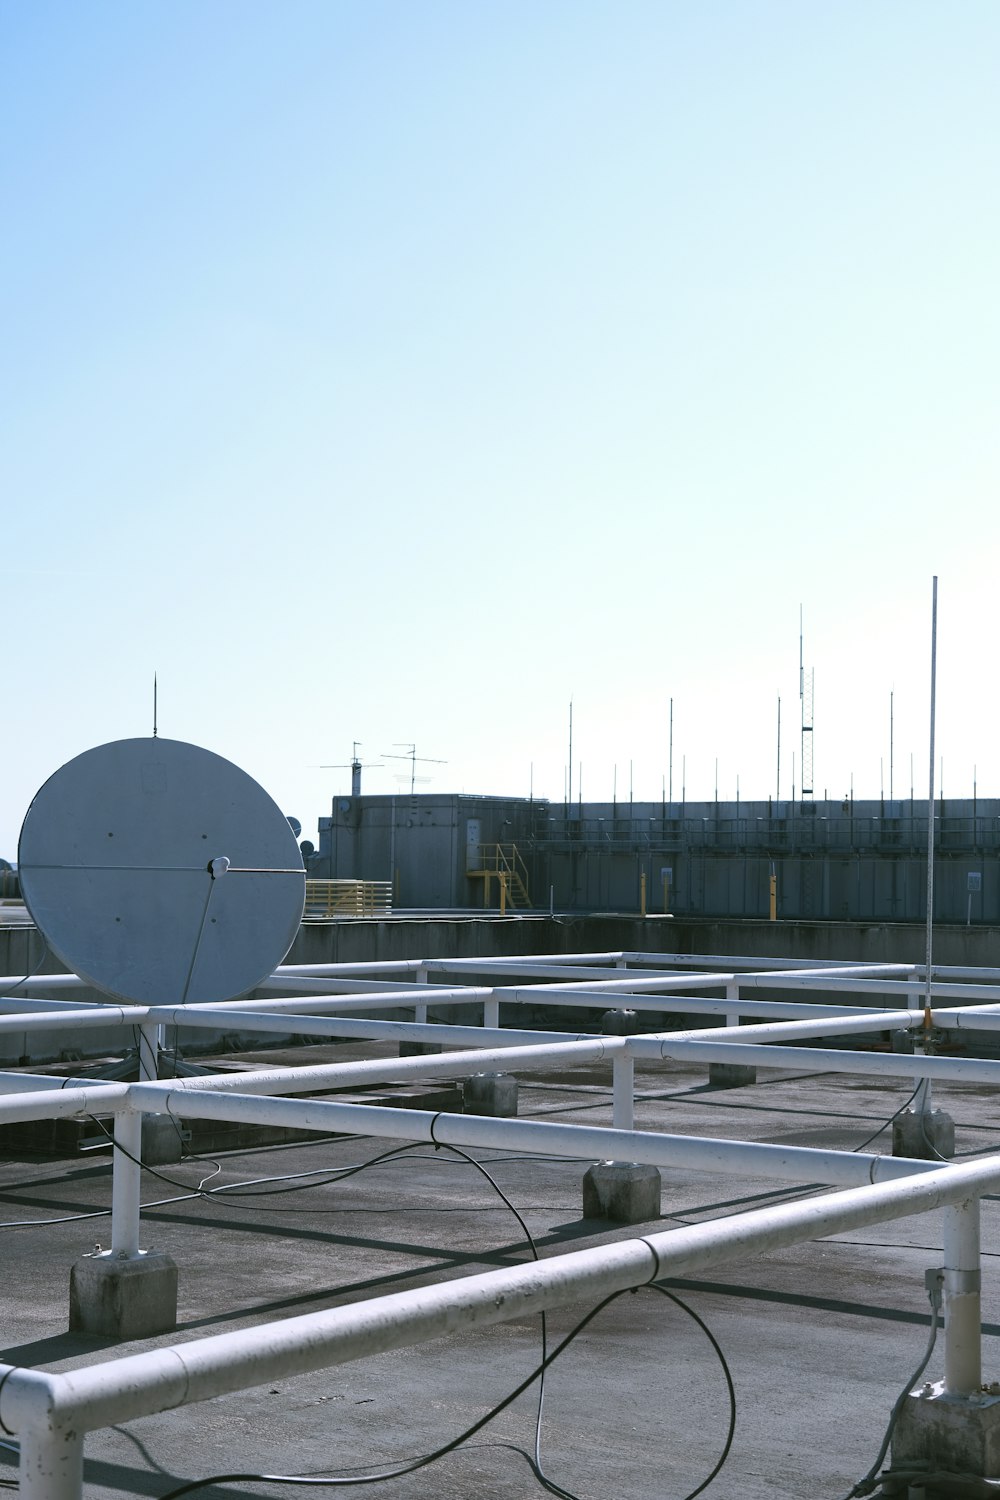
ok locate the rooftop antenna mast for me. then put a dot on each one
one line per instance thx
(928, 968)
(671, 752)
(154, 707)
(412, 756)
(355, 766)
(921, 1104)
(806, 699)
(569, 793)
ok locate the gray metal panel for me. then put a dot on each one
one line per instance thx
(116, 853)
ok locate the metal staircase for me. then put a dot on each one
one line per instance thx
(502, 863)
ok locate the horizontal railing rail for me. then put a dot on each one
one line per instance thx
(347, 898)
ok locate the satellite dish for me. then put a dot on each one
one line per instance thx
(307, 848)
(294, 825)
(161, 873)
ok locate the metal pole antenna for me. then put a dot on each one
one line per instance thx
(671, 758)
(924, 1096)
(569, 799)
(930, 800)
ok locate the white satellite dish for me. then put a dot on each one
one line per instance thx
(161, 873)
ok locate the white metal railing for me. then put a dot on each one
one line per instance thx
(51, 1412)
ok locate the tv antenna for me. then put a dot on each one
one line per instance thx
(412, 756)
(355, 766)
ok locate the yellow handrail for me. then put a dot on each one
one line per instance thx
(503, 861)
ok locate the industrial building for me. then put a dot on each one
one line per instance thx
(749, 1144)
(837, 861)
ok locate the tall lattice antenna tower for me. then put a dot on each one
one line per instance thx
(806, 685)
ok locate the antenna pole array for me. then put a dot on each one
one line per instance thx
(806, 698)
(930, 803)
(569, 793)
(671, 757)
(412, 756)
(355, 766)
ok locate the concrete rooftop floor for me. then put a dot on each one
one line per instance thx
(820, 1339)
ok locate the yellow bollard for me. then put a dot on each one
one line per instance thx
(642, 894)
(774, 897)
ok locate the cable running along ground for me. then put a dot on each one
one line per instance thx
(535, 1460)
(872, 1480)
(419, 1463)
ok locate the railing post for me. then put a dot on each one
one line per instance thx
(963, 1354)
(491, 1012)
(151, 1035)
(623, 1191)
(51, 1465)
(420, 1006)
(734, 1074)
(623, 1083)
(126, 1174)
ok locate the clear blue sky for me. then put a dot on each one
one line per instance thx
(399, 371)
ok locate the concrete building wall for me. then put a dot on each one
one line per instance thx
(424, 844)
(833, 861)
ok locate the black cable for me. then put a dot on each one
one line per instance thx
(870, 1481)
(338, 1174)
(895, 1116)
(140, 1041)
(234, 1191)
(656, 1286)
(935, 1153)
(535, 1463)
(943, 1482)
(411, 1466)
(730, 1388)
(45, 950)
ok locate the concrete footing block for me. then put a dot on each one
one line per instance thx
(128, 1297)
(492, 1094)
(730, 1075)
(950, 1434)
(621, 1023)
(163, 1140)
(928, 1137)
(623, 1191)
